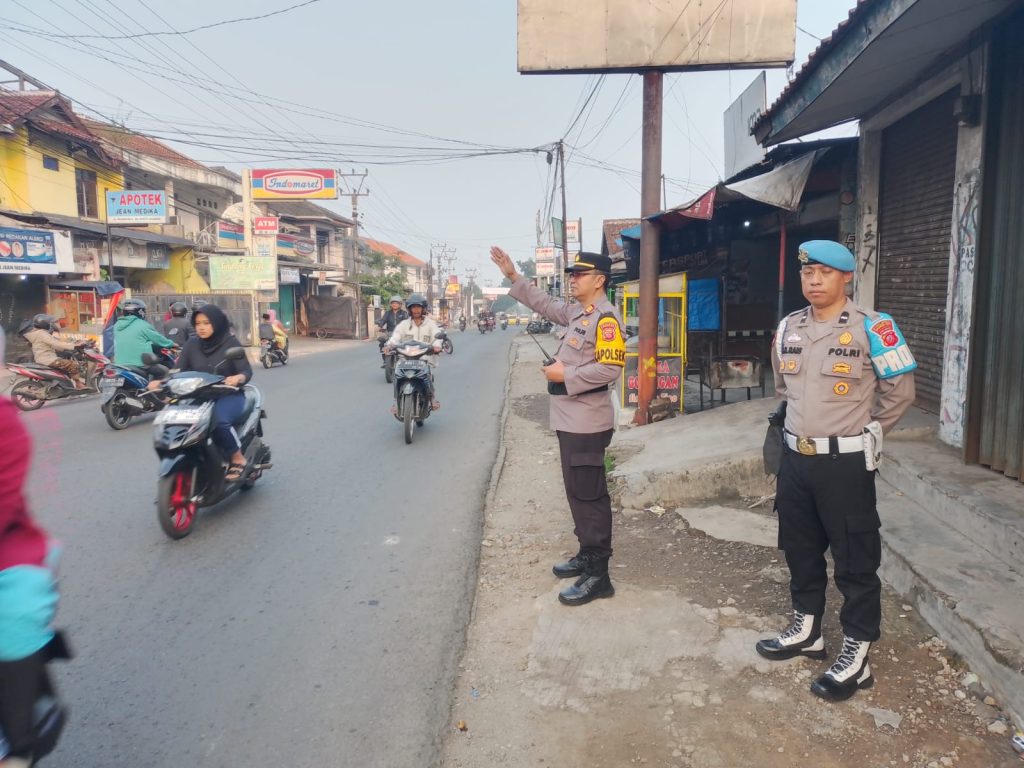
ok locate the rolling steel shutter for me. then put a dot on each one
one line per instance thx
(914, 220)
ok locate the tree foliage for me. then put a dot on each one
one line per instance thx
(385, 278)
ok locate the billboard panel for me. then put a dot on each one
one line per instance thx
(27, 252)
(545, 268)
(669, 35)
(545, 253)
(742, 149)
(294, 184)
(243, 273)
(137, 206)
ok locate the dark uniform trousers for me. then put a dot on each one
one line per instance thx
(586, 488)
(829, 502)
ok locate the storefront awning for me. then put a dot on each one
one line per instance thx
(99, 228)
(882, 49)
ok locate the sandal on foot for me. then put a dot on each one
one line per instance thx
(234, 472)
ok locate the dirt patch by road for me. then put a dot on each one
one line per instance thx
(664, 673)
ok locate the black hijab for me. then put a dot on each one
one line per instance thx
(221, 326)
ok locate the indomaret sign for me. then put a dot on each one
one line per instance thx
(670, 36)
(294, 184)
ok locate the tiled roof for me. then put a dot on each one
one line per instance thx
(17, 105)
(824, 48)
(394, 251)
(129, 141)
(65, 129)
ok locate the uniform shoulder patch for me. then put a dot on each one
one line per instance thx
(890, 354)
(609, 345)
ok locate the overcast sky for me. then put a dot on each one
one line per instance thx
(354, 85)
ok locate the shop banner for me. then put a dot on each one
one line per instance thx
(243, 273)
(289, 275)
(294, 184)
(27, 252)
(137, 206)
(545, 253)
(545, 268)
(669, 381)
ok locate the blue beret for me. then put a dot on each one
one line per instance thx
(827, 252)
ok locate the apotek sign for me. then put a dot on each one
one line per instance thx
(137, 206)
(294, 184)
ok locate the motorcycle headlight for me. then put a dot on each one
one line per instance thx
(182, 387)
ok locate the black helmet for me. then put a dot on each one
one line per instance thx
(46, 322)
(134, 307)
(178, 309)
(415, 299)
(198, 304)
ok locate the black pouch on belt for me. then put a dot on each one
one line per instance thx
(557, 388)
(774, 440)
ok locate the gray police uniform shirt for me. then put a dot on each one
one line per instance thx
(581, 410)
(825, 374)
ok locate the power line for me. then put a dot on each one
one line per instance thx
(186, 31)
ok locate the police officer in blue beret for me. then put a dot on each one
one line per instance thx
(846, 375)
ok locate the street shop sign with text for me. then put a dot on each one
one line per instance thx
(243, 273)
(265, 225)
(27, 252)
(137, 206)
(294, 184)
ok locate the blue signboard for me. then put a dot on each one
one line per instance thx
(27, 251)
(137, 206)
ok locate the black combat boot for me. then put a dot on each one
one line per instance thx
(850, 672)
(801, 638)
(570, 569)
(592, 583)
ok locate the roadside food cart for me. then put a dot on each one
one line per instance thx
(86, 310)
(671, 357)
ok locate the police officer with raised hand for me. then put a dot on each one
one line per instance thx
(581, 382)
(847, 377)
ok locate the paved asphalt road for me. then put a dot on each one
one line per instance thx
(315, 621)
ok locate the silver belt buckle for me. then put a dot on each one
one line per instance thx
(806, 446)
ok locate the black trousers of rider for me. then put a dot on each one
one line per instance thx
(586, 488)
(22, 682)
(827, 502)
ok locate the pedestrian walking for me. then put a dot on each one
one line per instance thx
(581, 382)
(846, 375)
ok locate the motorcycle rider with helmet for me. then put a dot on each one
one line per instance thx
(418, 327)
(178, 329)
(390, 319)
(134, 336)
(46, 346)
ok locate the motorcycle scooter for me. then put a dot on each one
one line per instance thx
(36, 384)
(192, 474)
(413, 377)
(124, 393)
(270, 353)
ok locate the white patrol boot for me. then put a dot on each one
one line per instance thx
(850, 672)
(801, 638)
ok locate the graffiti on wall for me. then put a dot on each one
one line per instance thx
(963, 255)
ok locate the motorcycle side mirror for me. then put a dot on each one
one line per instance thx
(149, 358)
(235, 353)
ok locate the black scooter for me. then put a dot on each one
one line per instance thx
(413, 385)
(270, 353)
(192, 474)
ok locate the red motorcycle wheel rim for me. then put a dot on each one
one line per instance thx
(183, 509)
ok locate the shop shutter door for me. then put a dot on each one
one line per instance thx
(1000, 360)
(914, 220)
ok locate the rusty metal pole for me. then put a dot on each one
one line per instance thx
(782, 263)
(650, 199)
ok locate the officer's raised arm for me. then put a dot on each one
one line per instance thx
(555, 310)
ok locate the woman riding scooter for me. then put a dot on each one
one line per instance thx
(46, 346)
(205, 353)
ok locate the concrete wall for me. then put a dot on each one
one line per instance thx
(970, 74)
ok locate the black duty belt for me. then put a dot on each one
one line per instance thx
(558, 388)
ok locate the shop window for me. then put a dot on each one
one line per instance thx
(51, 163)
(85, 186)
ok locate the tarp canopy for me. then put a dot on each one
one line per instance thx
(335, 313)
(782, 187)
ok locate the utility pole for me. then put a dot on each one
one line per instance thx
(355, 192)
(471, 274)
(560, 273)
(647, 358)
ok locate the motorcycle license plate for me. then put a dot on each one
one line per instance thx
(111, 383)
(179, 416)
